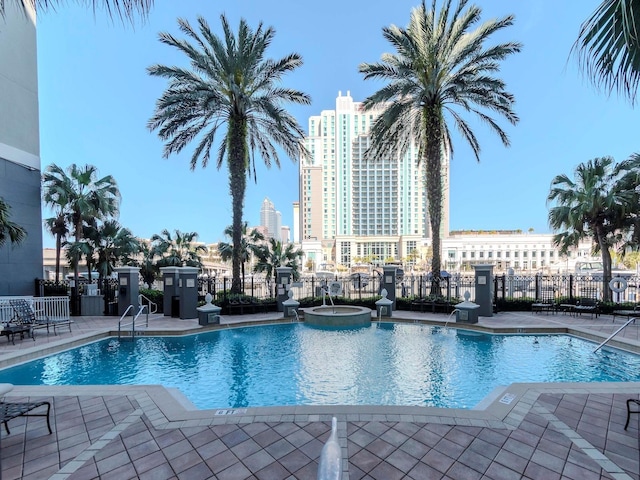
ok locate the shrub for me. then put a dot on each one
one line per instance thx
(156, 296)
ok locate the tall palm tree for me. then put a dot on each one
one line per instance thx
(179, 250)
(8, 229)
(608, 47)
(441, 65)
(87, 197)
(595, 204)
(249, 241)
(233, 87)
(123, 9)
(274, 254)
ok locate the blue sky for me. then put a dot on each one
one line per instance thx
(96, 98)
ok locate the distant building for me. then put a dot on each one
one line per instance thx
(271, 219)
(284, 234)
(355, 207)
(521, 252)
(296, 222)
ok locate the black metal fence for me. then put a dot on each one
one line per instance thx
(538, 287)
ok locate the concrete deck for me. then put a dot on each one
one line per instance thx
(533, 431)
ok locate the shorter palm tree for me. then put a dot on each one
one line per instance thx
(114, 245)
(149, 268)
(597, 203)
(179, 250)
(249, 242)
(8, 229)
(274, 254)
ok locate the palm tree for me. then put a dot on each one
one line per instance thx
(123, 9)
(441, 65)
(113, 244)
(231, 84)
(87, 198)
(8, 229)
(249, 241)
(595, 204)
(178, 251)
(608, 47)
(272, 255)
(149, 268)
(58, 225)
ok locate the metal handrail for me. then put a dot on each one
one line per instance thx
(141, 308)
(632, 319)
(149, 302)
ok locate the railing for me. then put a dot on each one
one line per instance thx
(56, 308)
(419, 285)
(132, 324)
(632, 319)
(153, 306)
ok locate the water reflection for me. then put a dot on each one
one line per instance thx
(401, 364)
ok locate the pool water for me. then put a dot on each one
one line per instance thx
(294, 364)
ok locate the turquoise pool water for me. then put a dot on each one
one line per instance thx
(294, 364)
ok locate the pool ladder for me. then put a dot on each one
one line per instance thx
(632, 319)
(132, 323)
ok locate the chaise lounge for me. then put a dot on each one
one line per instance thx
(25, 315)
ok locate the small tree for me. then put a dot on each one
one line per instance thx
(272, 255)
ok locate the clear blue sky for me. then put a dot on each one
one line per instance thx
(96, 98)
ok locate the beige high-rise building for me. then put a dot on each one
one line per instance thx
(359, 208)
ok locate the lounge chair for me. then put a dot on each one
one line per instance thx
(9, 410)
(631, 401)
(18, 326)
(26, 315)
(587, 305)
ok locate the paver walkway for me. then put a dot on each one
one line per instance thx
(533, 431)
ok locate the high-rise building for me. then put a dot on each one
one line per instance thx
(271, 219)
(358, 208)
(20, 148)
(296, 222)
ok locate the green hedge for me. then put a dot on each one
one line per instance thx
(156, 296)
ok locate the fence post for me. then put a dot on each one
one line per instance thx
(571, 287)
(537, 286)
(224, 286)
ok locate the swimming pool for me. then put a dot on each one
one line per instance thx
(294, 364)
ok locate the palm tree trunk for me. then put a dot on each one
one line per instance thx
(433, 164)
(237, 184)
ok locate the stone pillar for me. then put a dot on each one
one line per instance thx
(484, 289)
(283, 284)
(128, 289)
(388, 283)
(188, 286)
(171, 300)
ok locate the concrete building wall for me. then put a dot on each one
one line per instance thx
(20, 149)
